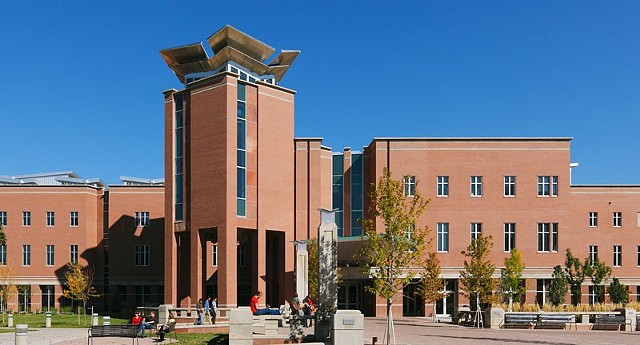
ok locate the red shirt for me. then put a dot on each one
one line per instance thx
(136, 320)
(253, 304)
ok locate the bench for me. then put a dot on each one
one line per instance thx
(610, 321)
(124, 331)
(519, 320)
(556, 321)
(171, 331)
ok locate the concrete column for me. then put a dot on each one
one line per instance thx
(94, 319)
(163, 312)
(495, 317)
(22, 334)
(47, 320)
(348, 327)
(240, 326)
(629, 314)
(10, 320)
(227, 267)
(106, 320)
(327, 261)
(302, 268)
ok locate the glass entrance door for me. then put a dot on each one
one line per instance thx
(444, 307)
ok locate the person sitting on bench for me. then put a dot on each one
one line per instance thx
(265, 311)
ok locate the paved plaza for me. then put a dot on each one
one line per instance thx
(409, 331)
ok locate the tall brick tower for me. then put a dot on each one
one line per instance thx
(229, 168)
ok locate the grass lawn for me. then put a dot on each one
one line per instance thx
(203, 339)
(57, 320)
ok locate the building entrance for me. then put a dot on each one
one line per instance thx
(412, 302)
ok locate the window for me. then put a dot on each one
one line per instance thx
(476, 185)
(617, 219)
(547, 237)
(617, 256)
(509, 236)
(26, 218)
(3, 218)
(593, 253)
(356, 194)
(141, 255)
(638, 216)
(51, 218)
(638, 249)
(3, 255)
(214, 255)
(26, 255)
(443, 237)
(547, 185)
(50, 254)
(476, 230)
(593, 219)
(591, 295)
(241, 255)
(337, 184)
(409, 183)
(509, 186)
(142, 218)
(542, 291)
(409, 231)
(73, 218)
(241, 150)
(73, 253)
(443, 185)
(178, 153)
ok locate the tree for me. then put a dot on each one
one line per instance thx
(511, 278)
(3, 237)
(389, 257)
(558, 287)
(618, 292)
(431, 286)
(79, 284)
(477, 277)
(574, 272)
(598, 272)
(7, 288)
(312, 277)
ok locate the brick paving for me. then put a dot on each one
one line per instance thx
(409, 331)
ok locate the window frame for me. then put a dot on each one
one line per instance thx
(593, 219)
(617, 255)
(50, 255)
(409, 185)
(593, 253)
(3, 218)
(26, 255)
(509, 186)
(3, 255)
(442, 238)
(142, 255)
(547, 237)
(74, 219)
(73, 253)
(475, 230)
(214, 255)
(442, 184)
(476, 186)
(51, 219)
(26, 219)
(509, 230)
(617, 219)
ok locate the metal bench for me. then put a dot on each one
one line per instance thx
(610, 321)
(556, 321)
(123, 331)
(519, 320)
(171, 331)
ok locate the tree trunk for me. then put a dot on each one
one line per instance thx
(390, 337)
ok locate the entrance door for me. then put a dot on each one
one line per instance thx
(350, 297)
(444, 307)
(412, 302)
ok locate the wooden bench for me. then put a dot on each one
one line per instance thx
(123, 331)
(556, 321)
(519, 320)
(610, 321)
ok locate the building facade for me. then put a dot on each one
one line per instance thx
(239, 188)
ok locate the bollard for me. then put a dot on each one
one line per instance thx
(47, 320)
(22, 334)
(10, 321)
(94, 319)
(106, 320)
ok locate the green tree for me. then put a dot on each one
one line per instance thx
(511, 278)
(575, 274)
(477, 277)
(3, 237)
(312, 277)
(390, 257)
(79, 284)
(559, 287)
(618, 292)
(431, 286)
(598, 272)
(7, 288)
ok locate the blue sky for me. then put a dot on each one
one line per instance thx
(82, 82)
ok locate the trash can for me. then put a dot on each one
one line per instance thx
(47, 320)
(348, 327)
(106, 320)
(94, 319)
(22, 336)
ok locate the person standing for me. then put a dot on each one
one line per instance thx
(207, 309)
(200, 311)
(214, 310)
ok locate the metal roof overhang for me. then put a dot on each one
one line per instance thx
(286, 57)
(184, 54)
(232, 37)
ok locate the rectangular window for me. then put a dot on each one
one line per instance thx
(509, 186)
(214, 256)
(593, 253)
(476, 230)
(638, 251)
(509, 236)
(26, 255)
(476, 186)
(337, 184)
(51, 218)
(443, 185)
(547, 185)
(73, 218)
(50, 254)
(638, 216)
(3, 255)
(617, 219)
(26, 218)
(141, 257)
(547, 237)
(3, 218)
(409, 183)
(617, 256)
(443, 237)
(142, 218)
(241, 148)
(178, 153)
(356, 194)
(591, 295)
(241, 255)
(542, 291)
(73, 253)
(593, 219)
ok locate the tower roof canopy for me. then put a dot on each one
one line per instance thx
(229, 36)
